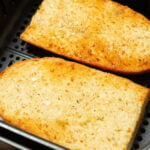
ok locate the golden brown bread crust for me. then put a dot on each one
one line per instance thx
(71, 104)
(101, 33)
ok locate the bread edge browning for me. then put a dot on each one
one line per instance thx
(138, 70)
(146, 97)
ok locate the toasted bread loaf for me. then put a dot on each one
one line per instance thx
(101, 33)
(71, 104)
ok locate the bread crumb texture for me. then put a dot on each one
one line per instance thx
(101, 33)
(71, 104)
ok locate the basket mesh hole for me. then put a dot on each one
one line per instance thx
(29, 15)
(17, 58)
(33, 10)
(11, 55)
(148, 114)
(142, 130)
(145, 122)
(22, 43)
(25, 22)
(136, 146)
(139, 138)
(22, 27)
(3, 58)
(36, 4)
(18, 33)
(14, 40)
(16, 46)
(11, 62)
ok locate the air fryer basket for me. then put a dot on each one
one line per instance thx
(15, 15)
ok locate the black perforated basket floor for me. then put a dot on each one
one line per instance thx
(15, 15)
